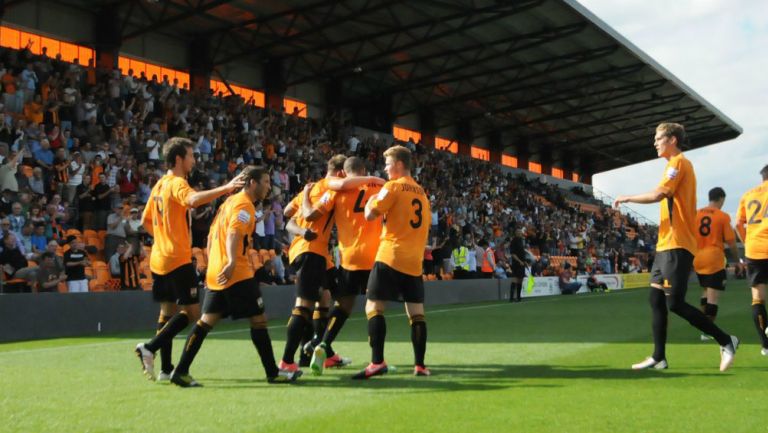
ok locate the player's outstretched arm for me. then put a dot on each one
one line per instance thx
(654, 196)
(200, 198)
(309, 212)
(347, 183)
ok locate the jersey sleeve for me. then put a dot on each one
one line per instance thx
(673, 174)
(241, 220)
(729, 234)
(384, 199)
(180, 191)
(741, 213)
(323, 200)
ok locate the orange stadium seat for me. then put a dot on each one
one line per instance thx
(94, 241)
(101, 276)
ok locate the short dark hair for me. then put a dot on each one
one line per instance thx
(716, 194)
(674, 130)
(46, 255)
(764, 172)
(336, 163)
(354, 165)
(253, 172)
(176, 146)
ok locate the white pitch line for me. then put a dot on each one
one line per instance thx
(536, 300)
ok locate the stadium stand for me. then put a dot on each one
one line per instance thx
(73, 124)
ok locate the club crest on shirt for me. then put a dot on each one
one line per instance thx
(324, 199)
(672, 173)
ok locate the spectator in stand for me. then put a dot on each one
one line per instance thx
(116, 229)
(134, 230)
(102, 202)
(12, 261)
(48, 275)
(75, 261)
(37, 182)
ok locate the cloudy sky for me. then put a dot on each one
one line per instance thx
(720, 49)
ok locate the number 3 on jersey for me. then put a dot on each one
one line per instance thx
(416, 203)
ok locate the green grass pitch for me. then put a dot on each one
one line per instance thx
(558, 364)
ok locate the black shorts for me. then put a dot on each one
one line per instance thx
(387, 284)
(242, 299)
(179, 286)
(713, 281)
(671, 269)
(310, 271)
(757, 272)
(352, 283)
(331, 280)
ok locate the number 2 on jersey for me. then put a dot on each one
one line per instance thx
(757, 206)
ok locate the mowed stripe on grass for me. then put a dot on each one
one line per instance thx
(557, 364)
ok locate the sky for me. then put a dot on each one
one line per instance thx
(719, 48)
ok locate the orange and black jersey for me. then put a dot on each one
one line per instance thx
(322, 199)
(753, 211)
(713, 231)
(359, 239)
(407, 211)
(61, 166)
(677, 225)
(236, 215)
(167, 213)
(129, 272)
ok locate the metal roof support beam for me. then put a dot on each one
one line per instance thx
(537, 38)
(650, 125)
(283, 39)
(579, 85)
(189, 13)
(647, 104)
(570, 60)
(431, 22)
(580, 110)
(632, 116)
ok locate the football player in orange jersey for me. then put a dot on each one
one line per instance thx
(358, 244)
(753, 213)
(308, 254)
(675, 249)
(713, 230)
(231, 287)
(397, 270)
(166, 219)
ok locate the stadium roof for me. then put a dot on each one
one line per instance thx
(546, 75)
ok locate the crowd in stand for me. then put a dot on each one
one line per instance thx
(80, 149)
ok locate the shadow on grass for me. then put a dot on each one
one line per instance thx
(453, 378)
